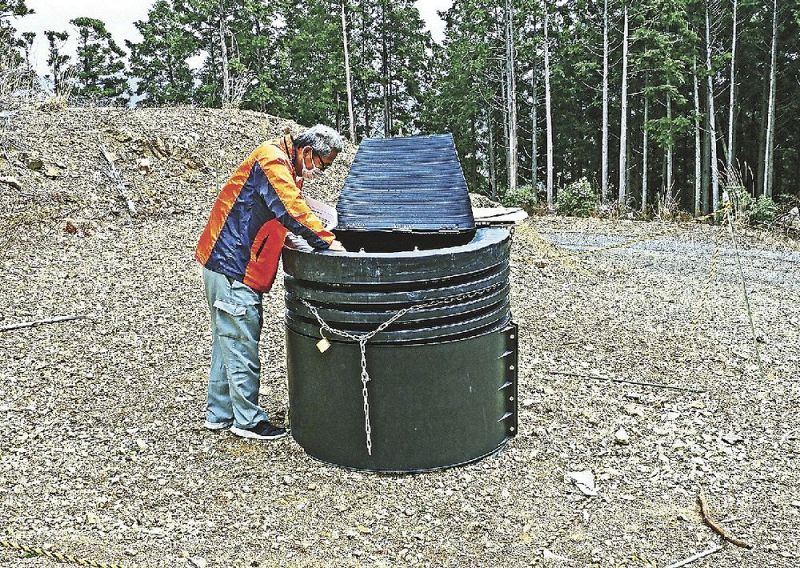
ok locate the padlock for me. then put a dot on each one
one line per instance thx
(323, 344)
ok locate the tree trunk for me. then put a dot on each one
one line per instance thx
(473, 161)
(347, 78)
(511, 91)
(212, 56)
(500, 30)
(762, 135)
(706, 174)
(604, 155)
(668, 178)
(629, 169)
(338, 112)
(364, 82)
(492, 167)
(644, 151)
(548, 113)
(769, 157)
(389, 81)
(731, 101)
(722, 138)
(223, 50)
(504, 112)
(697, 163)
(712, 129)
(623, 127)
(385, 73)
(534, 133)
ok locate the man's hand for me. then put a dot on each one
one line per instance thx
(337, 246)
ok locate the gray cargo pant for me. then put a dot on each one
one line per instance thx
(234, 379)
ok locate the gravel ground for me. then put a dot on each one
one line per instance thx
(103, 455)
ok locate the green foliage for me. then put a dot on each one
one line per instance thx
(315, 68)
(741, 201)
(58, 61)
(664, 46)
(159, 61)
(287, 59)
(465, 97)
(763, 210)
(100, 64)
(10, 56)
(579, 198)
(524, 196)
(749, 209)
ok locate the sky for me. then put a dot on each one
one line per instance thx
(120, 15)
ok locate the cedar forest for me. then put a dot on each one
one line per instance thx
(639, 105)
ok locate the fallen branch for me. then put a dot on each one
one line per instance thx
(746, 297)
(702, 554)
(626, 381)
(115, 176)
(41, 322)
(715, 526)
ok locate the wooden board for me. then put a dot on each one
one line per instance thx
(498, 215)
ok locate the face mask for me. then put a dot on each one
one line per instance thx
(310, 173)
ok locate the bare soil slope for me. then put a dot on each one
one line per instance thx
(103, 455)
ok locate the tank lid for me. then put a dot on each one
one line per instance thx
(411, 183)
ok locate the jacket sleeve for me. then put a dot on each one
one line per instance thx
(282, 196)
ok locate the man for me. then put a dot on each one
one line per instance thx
(239, 250)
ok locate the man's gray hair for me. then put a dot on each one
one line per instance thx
(322, 139)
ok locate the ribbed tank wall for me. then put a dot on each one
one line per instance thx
(443, 376)
(356, 292)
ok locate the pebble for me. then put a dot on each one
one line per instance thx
(621, 437)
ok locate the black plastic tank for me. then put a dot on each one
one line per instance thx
(443, 378)
(402, 354)
(405, 192)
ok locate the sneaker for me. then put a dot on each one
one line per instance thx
(261, 431)
(217, 425)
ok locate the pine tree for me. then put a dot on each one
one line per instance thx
(11, 47)
(732, 91)
(663, 57)
(58, 61)
(350, 115)
(315, 76)
(769, 158)
(604, 134)
(511, 94)
(100, 63)
(27, 44)
(159, 61)
(548, 112)
(623, 128)
(257, 57)
(460, 99)
(712, 130)
(202, 18)
(697, 159)
(406, 65)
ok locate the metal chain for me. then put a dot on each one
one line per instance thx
(363, 338)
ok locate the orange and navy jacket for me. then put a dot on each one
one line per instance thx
(256, 207)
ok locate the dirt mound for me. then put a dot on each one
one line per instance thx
(479, 200)
(95, 166)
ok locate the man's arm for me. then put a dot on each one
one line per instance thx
(282, 196)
